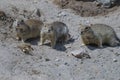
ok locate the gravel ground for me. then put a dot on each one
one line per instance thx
(57, 64)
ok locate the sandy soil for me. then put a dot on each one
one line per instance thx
(56, 64)
(86, 8)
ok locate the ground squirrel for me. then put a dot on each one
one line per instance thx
(56, 31)
(99, 34)
(28, 29)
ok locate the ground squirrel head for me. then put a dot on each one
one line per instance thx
(22, 28)
(87, 32)
(47, 29)
(85, 29)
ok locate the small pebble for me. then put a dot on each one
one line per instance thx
(67, 46)
(66, 64)
(117, 54)
(115, 60)
(59, 74)
(35, 1)
(57, 60)
(40, 57)
(82, 44)
(62, 14)
(47, 59)
(38, 13)
(82, 53)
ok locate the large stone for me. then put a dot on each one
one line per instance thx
(81, 53)
(106, 3)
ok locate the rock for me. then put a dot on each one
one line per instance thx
(35, 1)
(15, 23)
(26, 48)
(117, 54)
(67, 46)
(66, 64)
(35, 72)
(57, 60)
(81, 54)
(38, 13)
(47, 59)
(40, 57)
(106, 3)
(115, 60)
(15, 10)
(60, 14)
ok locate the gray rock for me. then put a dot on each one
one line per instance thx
(62, 14)
(106, 3)
(115, 60)
(81, 54)
(38, 13)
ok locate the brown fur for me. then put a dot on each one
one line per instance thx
(28, 29)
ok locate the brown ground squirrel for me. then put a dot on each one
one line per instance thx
(56, 31)
(28, 29)
(99, 34)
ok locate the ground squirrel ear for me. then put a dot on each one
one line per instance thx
(80, 26)
(88, 27)
(91, 24)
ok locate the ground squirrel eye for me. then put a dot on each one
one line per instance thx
(87, 28)
(81, 32)
(49, 30)
(21, 30)
(22, 21)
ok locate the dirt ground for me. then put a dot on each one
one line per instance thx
(46, 63)
(85, 8)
